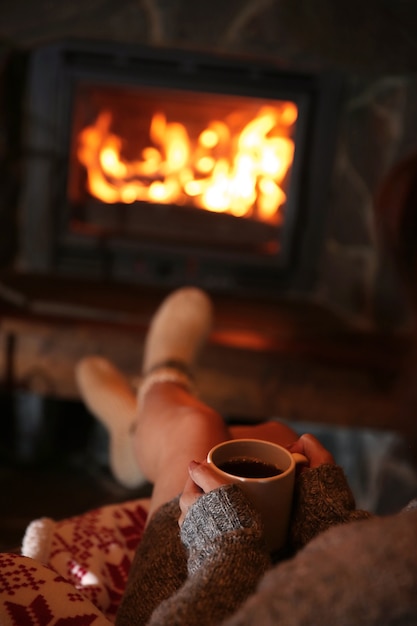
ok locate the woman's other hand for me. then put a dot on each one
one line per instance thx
(201, 480)
(311, 448)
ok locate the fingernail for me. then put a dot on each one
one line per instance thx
(194, 464)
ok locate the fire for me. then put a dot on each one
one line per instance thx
(225, 170)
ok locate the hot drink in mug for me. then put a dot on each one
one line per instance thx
(266, 472)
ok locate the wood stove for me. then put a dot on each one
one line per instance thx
(164, 167)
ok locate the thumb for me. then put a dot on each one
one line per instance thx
(311, 447)
(205, 476)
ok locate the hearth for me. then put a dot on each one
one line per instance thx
(164, 167)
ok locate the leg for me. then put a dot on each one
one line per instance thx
(178, 331)
(173, 427)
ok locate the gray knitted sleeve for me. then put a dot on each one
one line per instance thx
(227, 558)
(159, 568)
(322, 498)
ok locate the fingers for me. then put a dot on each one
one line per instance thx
(201, 480)
(190, 494)
(203, 476)
(315, 452)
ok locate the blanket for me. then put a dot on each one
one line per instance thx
(72, 571)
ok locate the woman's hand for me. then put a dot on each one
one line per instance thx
(311, 448)
(201, 480)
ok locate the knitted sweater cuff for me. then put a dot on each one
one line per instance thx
(216, 513)
(322, 499)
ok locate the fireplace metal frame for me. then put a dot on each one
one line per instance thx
(46, 246)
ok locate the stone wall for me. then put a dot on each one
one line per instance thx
(372, 44)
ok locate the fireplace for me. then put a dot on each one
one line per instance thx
(163, 167)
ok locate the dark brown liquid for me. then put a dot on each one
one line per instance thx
(249, 468)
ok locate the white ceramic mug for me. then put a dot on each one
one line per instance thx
(271, 496)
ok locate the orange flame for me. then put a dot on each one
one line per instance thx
(240, 173)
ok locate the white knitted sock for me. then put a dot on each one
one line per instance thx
(111, 399)
(178, 330)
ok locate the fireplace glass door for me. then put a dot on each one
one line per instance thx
(173, 167)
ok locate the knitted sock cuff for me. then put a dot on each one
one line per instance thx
(168, 372)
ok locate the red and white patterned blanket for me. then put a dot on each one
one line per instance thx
(71, 572)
